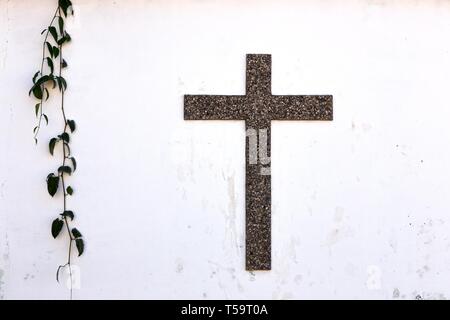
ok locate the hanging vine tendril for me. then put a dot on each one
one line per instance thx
(50, 77)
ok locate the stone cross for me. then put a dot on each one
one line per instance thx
(258, 108)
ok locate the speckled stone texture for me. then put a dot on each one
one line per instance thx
(258, 107)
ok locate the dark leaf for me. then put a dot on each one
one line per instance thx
(37, 92)
(64, 64)
(74, 163)
(61, 41)
(46, 118)
(76, 233)
(58, 80)
(69, 189)
(35, 76)
(34, 129)
(36, 108)
(61, 24)
(68, 214)
(67, 37)
(55, 52)
(51, 145)
(65, 5)
(50, 64)
(57, 272)
(62, 84)
(80, 246)
(65, 169)
(49, 48)
(57, 227)
(43, 31)
(72, 125)
(52, 184)
(68, 148)
(42, 81)
(65, 137)
(47, 94)
(53, 32)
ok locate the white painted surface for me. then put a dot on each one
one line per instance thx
(360, 204)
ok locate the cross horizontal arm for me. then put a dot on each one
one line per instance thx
(214, 107)
(302, 107)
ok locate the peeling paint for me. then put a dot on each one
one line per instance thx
(231, 235)
(4, 49)
(396, 293)
(4, 261)
(1, 284)
(2, 187)
(422, 271)
(179, 265)
(340, 231)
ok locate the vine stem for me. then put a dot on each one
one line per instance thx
(64, 149)
(41, 112)
(51, 57)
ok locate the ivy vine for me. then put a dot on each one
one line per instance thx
(50, 77)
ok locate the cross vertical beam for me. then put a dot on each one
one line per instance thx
(257, 168)
(258, 107)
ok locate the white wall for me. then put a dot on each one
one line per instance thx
(360, 204)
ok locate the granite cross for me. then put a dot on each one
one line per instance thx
(258, 107)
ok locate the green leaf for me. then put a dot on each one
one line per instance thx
(65, 5)
(64, 39)
(57, 227)
(44, 79)
(36, 108)
(68, 147)
(80, 246)
(72, 125)
(74, 163)
(46, 118)
(49, 48)
(34, 129)
(76, 233)
(55, 52)
(57, 273)
(65, 137)
(61, 24)
(35, 76)
(64, 64)
(37, 92)
(61, 41)
(67, 37)
(50, 64)
(41, 81)
(43, 31)
(69, 214)
(65, 169)
(69, 189)
(52, 184)
(51, 145)
(53, 32)
(47, 94)
(62, 84)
